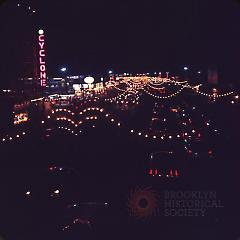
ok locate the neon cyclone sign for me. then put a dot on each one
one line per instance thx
(42, 58)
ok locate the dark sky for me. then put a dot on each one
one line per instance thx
(94, 36)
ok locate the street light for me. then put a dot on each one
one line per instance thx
(185, 68)
(63, 69)
(110, 72)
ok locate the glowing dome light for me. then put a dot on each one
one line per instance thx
(89, 80)
(41, 32)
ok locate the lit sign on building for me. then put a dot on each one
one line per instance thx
(89, 80)
(20, 118)
(42, 58)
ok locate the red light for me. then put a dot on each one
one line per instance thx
(176, 173)
(41, 39)
(156, 172)
(43, 68)
(43, 75)
(151, 172)
(190, 151)
(171, 173)
(41, 61)
(210, 152)
(42, 53)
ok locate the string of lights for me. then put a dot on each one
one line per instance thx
(13, 138)
(164, 97)
(215, 95)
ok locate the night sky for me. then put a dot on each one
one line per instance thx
(95, 36)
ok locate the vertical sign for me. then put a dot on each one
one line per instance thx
(42, 58)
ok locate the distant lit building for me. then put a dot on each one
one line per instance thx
(212, 75)
(67, 85)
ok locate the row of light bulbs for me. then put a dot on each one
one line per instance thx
(160, 81)
(13, 138)
(164, 97)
